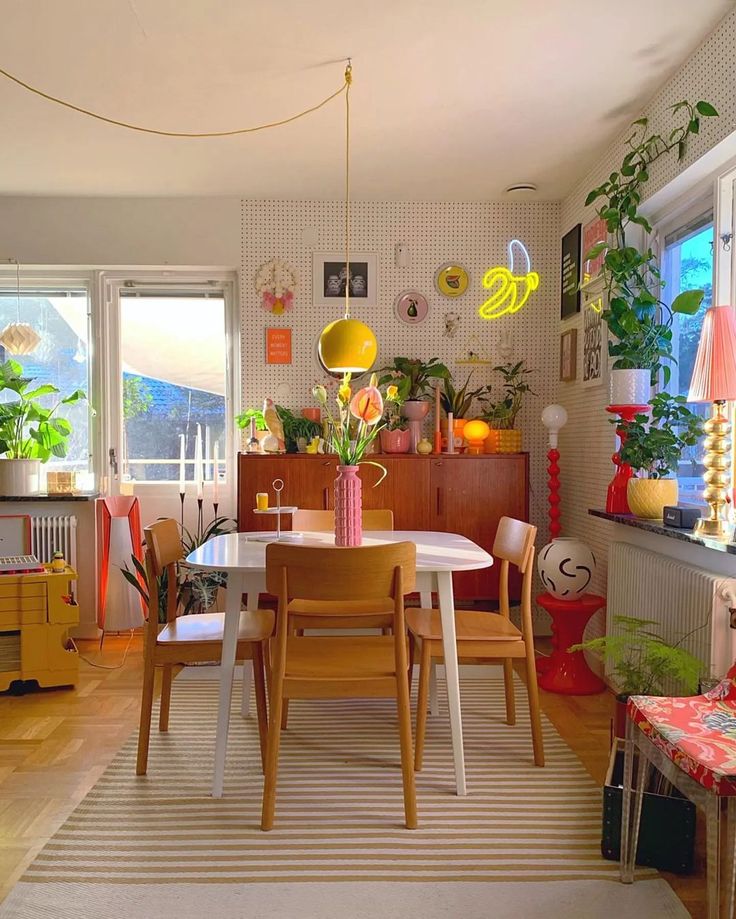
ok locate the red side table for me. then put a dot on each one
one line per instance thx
(568, 672)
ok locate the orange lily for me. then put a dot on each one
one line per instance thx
(367, 405)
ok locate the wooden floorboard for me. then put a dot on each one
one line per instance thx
(54, 745)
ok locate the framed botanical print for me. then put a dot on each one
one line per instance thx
(569, 355)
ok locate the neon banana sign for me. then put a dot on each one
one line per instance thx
(510, 291)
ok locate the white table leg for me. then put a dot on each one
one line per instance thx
(235, 589)
(251, 605)
(449, 646)
(425, 598)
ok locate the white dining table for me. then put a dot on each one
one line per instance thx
(243, 557)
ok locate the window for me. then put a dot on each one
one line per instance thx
(688, 264)
(173, 368)
(60, 316)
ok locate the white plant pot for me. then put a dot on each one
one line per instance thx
(566, 567)
(19, 477)
(630, 387)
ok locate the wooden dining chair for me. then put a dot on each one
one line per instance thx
(340, 667)
(359, 614)
(484, 637)
(189, 639)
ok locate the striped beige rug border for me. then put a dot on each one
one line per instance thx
(339, 805)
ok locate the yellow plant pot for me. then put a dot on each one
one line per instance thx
(503, 441)
(648, 497)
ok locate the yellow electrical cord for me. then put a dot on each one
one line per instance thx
(134, 127)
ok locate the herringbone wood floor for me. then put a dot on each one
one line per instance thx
(55, 744)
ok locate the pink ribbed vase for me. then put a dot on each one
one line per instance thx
(348, 507)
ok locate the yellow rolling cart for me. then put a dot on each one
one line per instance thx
(36, 613)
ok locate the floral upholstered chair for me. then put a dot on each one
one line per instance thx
(692, 742)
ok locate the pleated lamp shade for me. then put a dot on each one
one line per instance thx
(714, 374)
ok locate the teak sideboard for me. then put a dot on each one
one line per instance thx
(452, 493)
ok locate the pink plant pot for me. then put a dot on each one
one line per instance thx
(396, 441)
(348, 507)
(415, 411)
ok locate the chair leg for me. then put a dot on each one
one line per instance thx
(713, 854)
(247, 680)
(412, 650)
(165, 704)
(272, 755)
(730, 878)
(434, 703)
(261, 704)
(285, 715)
(425, 667)
(407, 766)
(627, 867)
(534, 711)
(144, 733)
(508, 685)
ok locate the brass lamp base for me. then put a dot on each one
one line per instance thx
(717, 475)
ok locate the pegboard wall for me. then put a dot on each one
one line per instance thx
(708, 75)
(474, 234)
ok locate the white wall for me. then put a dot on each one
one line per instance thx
(586, 444)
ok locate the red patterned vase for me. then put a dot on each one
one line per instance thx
(348, 507)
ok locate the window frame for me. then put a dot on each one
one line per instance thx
(110, 283)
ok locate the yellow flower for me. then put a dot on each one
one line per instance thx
(344, 392)
(392, 393)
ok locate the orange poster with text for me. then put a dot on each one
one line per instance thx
(278, 346)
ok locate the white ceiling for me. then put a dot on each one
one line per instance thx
(451, 101)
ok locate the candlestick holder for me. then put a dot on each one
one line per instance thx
(182, 496)
(200, 502)
(616, 500)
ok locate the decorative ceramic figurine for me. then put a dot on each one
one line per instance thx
(275, 443)
(566, 567)
(424, 446)
(58, 562)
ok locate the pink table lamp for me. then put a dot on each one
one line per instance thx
(714, 380)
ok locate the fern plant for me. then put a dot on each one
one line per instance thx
(642, 662)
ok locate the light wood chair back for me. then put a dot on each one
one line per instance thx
(514, 545)
(324, 521)
(163, 551)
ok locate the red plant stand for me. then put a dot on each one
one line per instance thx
(616, 499)
(568, 672)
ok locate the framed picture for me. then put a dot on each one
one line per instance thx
(570, 295)
(569, 355)
(278, 346)
(593, 233)
(330, 278)
(411, 307)
(452, 279)
(595, 335)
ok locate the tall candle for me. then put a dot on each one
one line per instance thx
(182, 465)
(207, 453)
(198, 470)
(216, 479)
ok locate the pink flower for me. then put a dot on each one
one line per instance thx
(367, 405)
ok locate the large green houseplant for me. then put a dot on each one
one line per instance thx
(413, 379)
(652, 444)
(30, 432)
(639, 320)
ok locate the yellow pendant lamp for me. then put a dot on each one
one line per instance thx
(347, 345)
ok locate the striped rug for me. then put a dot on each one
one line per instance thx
(339, 809)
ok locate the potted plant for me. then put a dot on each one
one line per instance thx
(643, 663)
(394, 436)
(30, 433)
(638, 319)
(353, 429)
(652, 444)
(458, 402)
(501, 414)
(298, 430)
(244, 420)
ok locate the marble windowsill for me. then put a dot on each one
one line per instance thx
(49, 498)
(658, 528)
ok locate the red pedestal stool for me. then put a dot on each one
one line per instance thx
(567, 672)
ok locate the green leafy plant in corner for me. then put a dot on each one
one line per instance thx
(501, 414)
(296, 426)
(459, 401)
(654, 442)
(197, 590)
(28, 429)
(243, 419)
(639, 320)
(642, 662)
(413, 377)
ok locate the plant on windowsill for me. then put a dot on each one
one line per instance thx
(30, 433)
(501, 414)
(197, 589)
(638, 319)
(652, 444)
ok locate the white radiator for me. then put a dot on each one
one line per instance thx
(49, 533)
(682, 599)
